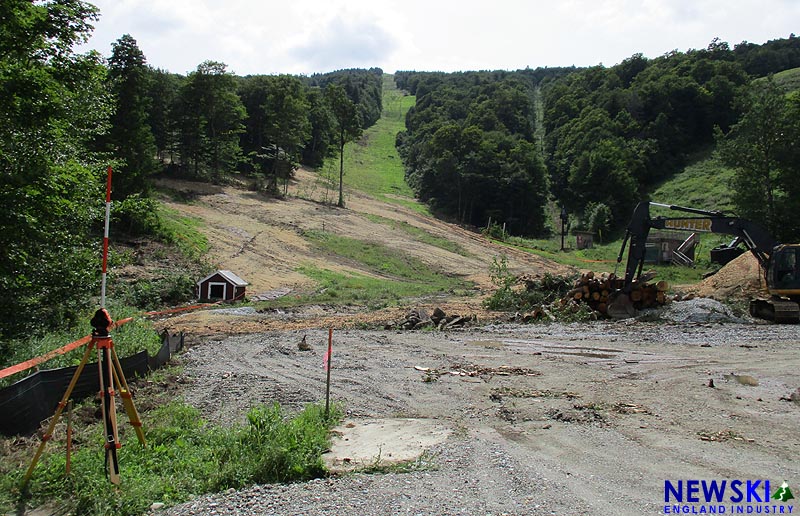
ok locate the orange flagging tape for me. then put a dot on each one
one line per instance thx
(28, 364)
(24, 366)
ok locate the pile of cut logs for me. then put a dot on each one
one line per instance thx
(595, 291)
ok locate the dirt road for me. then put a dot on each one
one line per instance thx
(546, 419)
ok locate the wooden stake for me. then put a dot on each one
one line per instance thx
(69, 437)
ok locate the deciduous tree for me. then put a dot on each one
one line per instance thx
(53, 104)
(347, 123)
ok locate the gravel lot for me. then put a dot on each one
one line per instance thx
(545, 419)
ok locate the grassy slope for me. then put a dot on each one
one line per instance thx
(789, 80)
(372, 165)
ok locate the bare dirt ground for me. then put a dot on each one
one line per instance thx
(542, 419)
(260, 238)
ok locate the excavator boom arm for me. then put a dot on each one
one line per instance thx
(757, 240)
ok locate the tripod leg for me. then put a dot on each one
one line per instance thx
(127, 399)
(109, 408)
(57, 415)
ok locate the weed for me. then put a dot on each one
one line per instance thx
(184, 457)
(425, 462)
(511, 296)
(129, 339)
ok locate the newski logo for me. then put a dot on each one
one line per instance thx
(748, 491)
(726, 497)
(784, 494)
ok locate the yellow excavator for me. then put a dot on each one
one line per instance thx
(780, 263)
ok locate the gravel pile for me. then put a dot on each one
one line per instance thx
(697, 310)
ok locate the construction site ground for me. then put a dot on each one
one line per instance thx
(495, 418)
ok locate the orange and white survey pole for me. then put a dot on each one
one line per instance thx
(326, 363)
(110, 374)
(105, 240)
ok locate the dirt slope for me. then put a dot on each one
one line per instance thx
(260, 238)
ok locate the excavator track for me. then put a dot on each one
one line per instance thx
(779, 310)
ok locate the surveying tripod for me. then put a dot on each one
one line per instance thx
(111, 375)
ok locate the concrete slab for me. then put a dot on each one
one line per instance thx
(361, 443)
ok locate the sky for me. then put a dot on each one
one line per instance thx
(302, 37)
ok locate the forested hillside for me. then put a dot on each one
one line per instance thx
(469, 147)
(65, 117)
(478, 146)
(610, 135)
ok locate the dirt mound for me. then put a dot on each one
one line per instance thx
(739, 279)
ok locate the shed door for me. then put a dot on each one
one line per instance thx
(217, 291)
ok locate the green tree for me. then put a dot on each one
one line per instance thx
(130, 138)
(162, 94)
(209, 119)
(321, 138)
(347, 123)
(53, 105)
(758, 147)
(277, 125)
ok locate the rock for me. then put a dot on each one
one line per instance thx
(457, 321)
(742, 379)
(303, 345)
(423, 324)
(437, 315)
(157, 506)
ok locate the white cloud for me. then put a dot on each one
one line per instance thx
(307, 36)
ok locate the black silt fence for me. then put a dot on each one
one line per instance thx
(28, 402)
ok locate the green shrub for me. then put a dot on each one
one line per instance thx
(511, 296)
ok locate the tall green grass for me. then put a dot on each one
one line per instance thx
(183, 232)
(704, 184)
(184, 457)
(788, 80)
(129, 339)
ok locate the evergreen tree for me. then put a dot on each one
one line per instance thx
(209, 120)
(131, 139)
(277, 124)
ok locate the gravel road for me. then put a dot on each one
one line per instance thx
(546, 419)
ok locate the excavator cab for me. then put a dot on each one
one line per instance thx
(783, 278)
